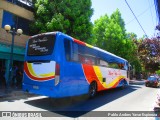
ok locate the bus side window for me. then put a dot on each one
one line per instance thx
(103, 63)
(75, 52)
(67, 48)
(84, 59)
(113, 65)
(121, 66)
(81, 58)
(89, 60)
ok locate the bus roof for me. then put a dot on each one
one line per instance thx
(101, 53)
(110, 54)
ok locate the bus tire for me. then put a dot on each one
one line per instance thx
(92, 90)
(123, 85)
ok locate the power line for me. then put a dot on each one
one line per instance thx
(140, 14)
(136, 18)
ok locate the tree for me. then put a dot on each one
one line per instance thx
(99, 29)
(158, 72)
(110, 34)
(149, 53)
(69, 16)
(132, 54)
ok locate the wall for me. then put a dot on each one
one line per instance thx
(6, 38)
(19, 11)
(19, 40)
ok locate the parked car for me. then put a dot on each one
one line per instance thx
(153, 81)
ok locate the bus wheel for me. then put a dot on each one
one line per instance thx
(123, 85)
(92, 90)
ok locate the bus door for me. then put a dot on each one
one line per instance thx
(73, 72)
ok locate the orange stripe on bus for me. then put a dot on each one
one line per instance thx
(91, 76)
(33, 77)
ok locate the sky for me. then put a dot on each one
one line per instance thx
(143, 9)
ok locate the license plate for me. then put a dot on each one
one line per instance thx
(35, 87)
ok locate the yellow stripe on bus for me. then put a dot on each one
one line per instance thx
(100, 77)
(114, 81)
(41, 75)
(89, 45)
(47, 74)
(29, 65)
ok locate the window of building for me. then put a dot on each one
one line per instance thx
(16, 22)
(27, 4)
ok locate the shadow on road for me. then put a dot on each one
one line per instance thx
(79, 106)
(13, 95)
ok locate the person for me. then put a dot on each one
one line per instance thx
(19, 76)
(2, 77)
(14, 76)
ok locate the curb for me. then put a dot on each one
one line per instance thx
(136, 82)
(2, 95)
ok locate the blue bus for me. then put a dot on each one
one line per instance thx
(58, 65)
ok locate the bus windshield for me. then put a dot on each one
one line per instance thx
(41, 45)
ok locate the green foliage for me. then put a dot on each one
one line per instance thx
(110, 34)
(99, 32)
(69, 16)
(131, 53)
(158, 72)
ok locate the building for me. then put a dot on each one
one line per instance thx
(18, 14)
(157, 6)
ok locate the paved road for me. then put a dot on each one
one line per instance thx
(132, 98)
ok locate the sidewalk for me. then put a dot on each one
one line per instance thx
(3, 93)
(13, 94)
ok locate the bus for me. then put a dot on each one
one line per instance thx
(58, 65)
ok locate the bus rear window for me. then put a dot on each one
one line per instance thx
(41, 45)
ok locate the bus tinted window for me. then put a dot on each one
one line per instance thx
(75, 52)
(86, 59)
(113, 65)
(103, 63)
(41, 45)
(67, 49)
